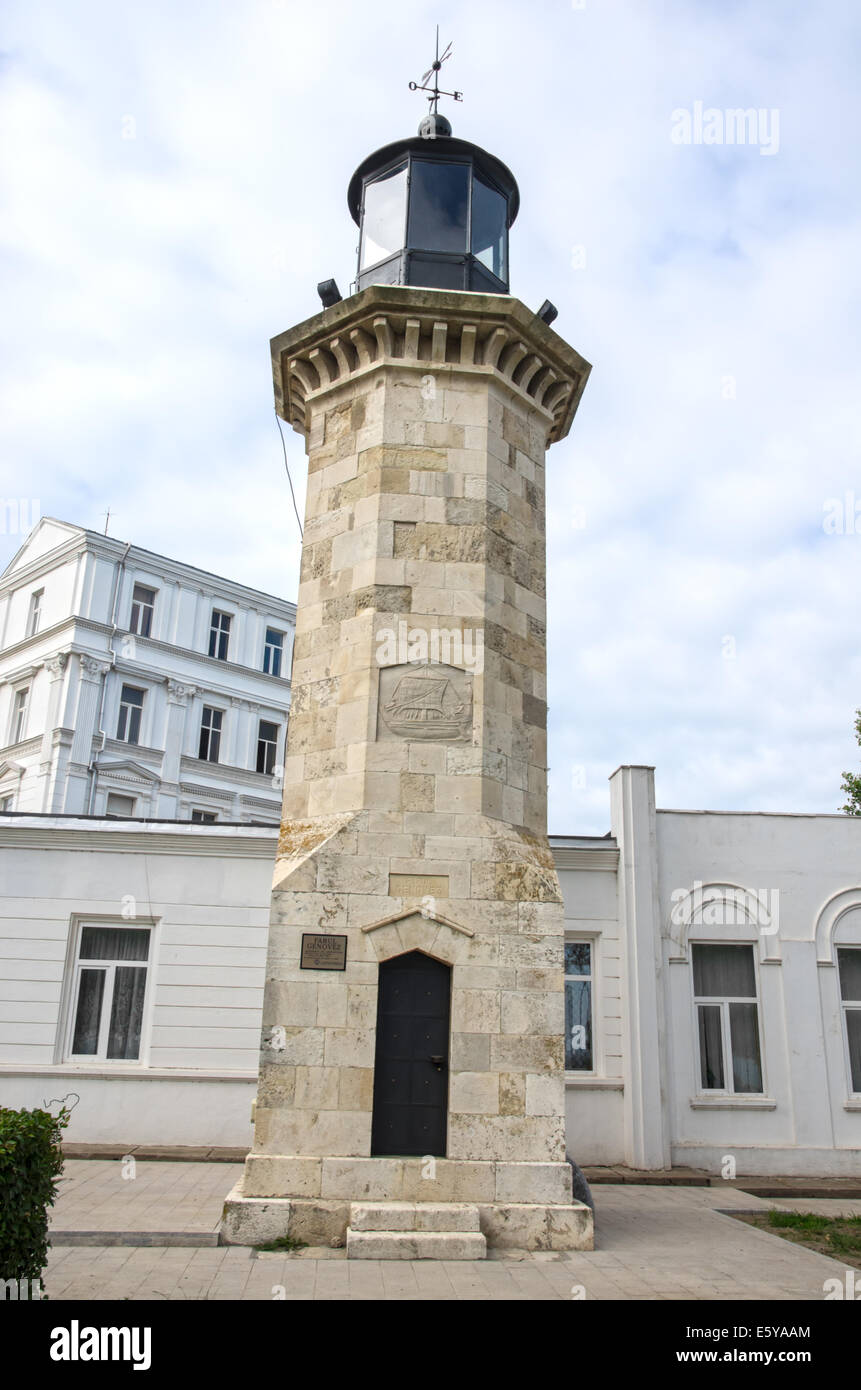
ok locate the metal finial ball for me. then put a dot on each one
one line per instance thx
(433, 126)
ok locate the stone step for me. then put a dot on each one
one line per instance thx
(415, 1245)
(414, 1216)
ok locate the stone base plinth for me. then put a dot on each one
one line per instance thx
(545, 1224)
(406, 1179)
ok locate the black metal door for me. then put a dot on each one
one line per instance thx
(411, 1066)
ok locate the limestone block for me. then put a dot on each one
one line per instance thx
(460, 795)
(316, 1088)
(287, 1045)
(414, 1216)
(472, 1092)
(447, 1180)
(475, 1011)
(386, 942)
(266, 1176)
(349, 1047)
(332, 1004)
(319, 1222)
(361, 1006)
(378, 1179)
(536, 1226)
(318, 1132)
(415, 1245)
(545, 1095)
(531, 1011)
(512, 1093)
(249, 1221)
(533, 1182)
(469, 1052)
(346, 873)
(356, 1088)
(535, 1054)
(509, 1137)
(290, 1002)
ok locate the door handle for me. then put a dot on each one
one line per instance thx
(438, 1062)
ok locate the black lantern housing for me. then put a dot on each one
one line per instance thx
(434, 211)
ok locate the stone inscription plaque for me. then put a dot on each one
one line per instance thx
(418, 885)
(323, 952)
(431, 703)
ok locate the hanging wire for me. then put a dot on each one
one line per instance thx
(289, 479)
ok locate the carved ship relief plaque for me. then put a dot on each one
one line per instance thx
(428, 703)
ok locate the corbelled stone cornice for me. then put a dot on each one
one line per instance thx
(428, 330)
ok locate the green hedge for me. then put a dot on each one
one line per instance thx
(30, 1163)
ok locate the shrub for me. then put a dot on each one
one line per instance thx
(31, 1160)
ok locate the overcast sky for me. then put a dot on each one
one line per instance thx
(174, 185)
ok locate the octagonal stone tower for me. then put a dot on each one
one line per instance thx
(411, 1090)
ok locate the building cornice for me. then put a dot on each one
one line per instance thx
(113, 836)
(574, 857)
(432, 331)
(124, 663)
(245, 776)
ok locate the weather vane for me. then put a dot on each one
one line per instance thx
(433, 71)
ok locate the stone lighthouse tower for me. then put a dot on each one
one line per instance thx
(411, 1090)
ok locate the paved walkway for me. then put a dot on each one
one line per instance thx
(652, 1243)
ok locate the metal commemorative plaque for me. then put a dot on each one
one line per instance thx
(323, 952)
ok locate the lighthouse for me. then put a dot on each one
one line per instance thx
(411, 1089)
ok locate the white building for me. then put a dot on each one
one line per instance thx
(134, 685)
(713, 992)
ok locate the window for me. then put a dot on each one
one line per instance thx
(35, 612)
(204, 817)
(6, 803)
(267, 746)
(439, 196)
(579, 1054)
(129, 722)
(489, 211)
(19, 714)
(109, 989)
(143, 604)
(210, 734)
(219, 634)
(119, 807)
(273, 651)
(727, 1019)
(849, 965)
(383, 216)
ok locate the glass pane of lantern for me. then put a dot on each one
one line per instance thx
(488, 227)
(383, 217)
(438, 199)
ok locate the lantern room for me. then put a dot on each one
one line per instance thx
(434, 211)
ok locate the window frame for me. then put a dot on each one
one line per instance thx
(219, 634)
(75, 965)
(854, 1093)
(276, 650)
(201, 816)
(724, 1002)
(116, 815)
(125, 723)
(34, 611)
(267, 743)
(574, 938)
(142, 608)
(20, 713)
(216, 730)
